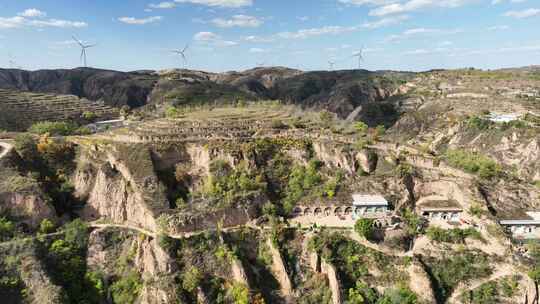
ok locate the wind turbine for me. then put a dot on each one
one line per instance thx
(182, 53)
(83, 49)
(360, 56)
(331, 63)
(13, 63)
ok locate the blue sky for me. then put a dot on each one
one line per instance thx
(240, 34)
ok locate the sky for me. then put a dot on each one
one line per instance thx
(225, 35)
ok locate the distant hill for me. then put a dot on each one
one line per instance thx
(360, 92)
(114, 88)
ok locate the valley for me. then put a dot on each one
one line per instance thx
(270, 185)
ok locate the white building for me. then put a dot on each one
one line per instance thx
(442, 210)
(500, 118)
(105, 125)
(527, 227)
(368, 205)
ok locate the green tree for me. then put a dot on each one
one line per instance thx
(46, 226)
(361, 127)
(364, 227)
(326, 118)
(127, 289)
(7, 228)
(191, 279)
(26, 146)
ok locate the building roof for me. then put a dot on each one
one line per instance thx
(440, 205)
(369, 200)
(519, 222)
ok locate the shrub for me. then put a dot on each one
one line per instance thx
(46, 226)
(26, 146)
(460, 267)
(478, 123)
(191, 279)
(364, 228)
(7, 228)
(166, 243)
(57, 128)
(278, 124)
(400, 295)
(413, 221)
(380, 130)
(454, 235)
(301, 180)
(76, 233)
(473, 163)
(361, 294)
(326, 118)
(361, 127)
(172, 112)
(239, 293)
(127, 289)
(89, 115)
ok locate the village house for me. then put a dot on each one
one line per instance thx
(371, 206)
(441, 210)
(368, 206)
(525, 227)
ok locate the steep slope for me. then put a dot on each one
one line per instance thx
(114, 88)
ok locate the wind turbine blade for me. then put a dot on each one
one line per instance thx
(78, 41)
(90, 45)
(185, 48)
(82, 54)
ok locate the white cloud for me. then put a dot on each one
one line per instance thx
(367, 2)
(219, 3)
(421, 31)
(257, 50)
(303, 18)
(20, 22)
(498, 28)
(531, 12)
(511, 1)
(414, 5)
(58, 23)
(259, 39)
(32, 13)
(205, 36)
(141, 21)
(213, 39)
(326, 30)
(445, 43)
(163, 5)
(385, 22)
(237, 21)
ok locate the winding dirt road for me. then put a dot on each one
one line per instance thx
(6, 148)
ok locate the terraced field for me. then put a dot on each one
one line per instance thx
(19, 110)
(229, 123)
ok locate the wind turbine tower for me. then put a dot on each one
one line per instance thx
(83, 49)
(360, 56)
(182, 53)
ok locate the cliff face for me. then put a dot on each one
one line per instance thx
(116, 191)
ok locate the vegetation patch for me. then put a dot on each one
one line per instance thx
(474, 163)
(454, 235)
(458, 267)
